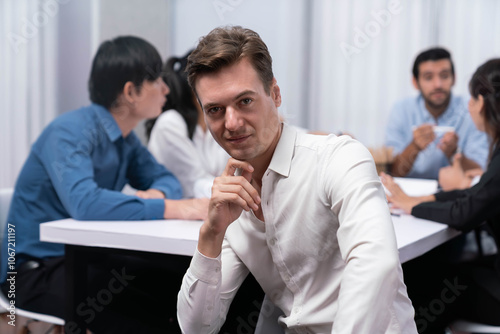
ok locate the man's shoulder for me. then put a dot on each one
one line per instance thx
(77, 118)
(70, 124)
(408, 104)
(323, 143)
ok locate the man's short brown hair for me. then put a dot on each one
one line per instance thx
(225, 46)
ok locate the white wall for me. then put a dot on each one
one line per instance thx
(282, 24)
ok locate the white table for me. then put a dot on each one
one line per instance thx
(414, 238)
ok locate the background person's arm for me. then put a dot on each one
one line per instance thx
(422, 137)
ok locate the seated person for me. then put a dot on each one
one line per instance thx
(180, 139)
(476, 284)
(426, 131)
(77, 169)
(305, 214)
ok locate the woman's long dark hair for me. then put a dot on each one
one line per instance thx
(181, 97)
(486, 82)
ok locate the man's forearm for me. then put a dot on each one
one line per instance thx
(404, 161)
(469, 163)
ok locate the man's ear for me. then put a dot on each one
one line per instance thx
(415, 83)
(276, 93)
(129, 92)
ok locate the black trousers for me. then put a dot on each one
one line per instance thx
(442, 291)
(127, 294)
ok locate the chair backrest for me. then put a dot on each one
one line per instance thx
(5, 199)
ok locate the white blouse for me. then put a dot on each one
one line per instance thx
(194, 162)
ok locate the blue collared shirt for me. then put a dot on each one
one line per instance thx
(77, 168)
(411, 112)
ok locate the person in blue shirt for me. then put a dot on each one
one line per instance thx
(79, 165)
(426, 131)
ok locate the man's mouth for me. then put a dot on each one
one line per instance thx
(237, 139)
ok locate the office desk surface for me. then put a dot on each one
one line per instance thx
(414, 236)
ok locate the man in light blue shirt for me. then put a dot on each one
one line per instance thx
(78, 167)
(426, 131)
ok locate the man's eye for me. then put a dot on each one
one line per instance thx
(213, 110)
(246, 101)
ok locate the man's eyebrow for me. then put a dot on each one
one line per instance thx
(245, 92)
(442, 71)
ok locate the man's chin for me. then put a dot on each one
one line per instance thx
(239, 154)
(438, 104)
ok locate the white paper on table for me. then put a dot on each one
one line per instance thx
(416, 187)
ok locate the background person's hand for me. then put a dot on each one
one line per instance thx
(398, 197)
(449, 144)
(188, 209)
(423, 136)
(453, 177)
(472, 173)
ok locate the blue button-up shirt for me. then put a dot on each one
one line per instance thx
(411, 112)
(77, 168)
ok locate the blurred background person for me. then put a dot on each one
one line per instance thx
(428, 130)
(477, 282)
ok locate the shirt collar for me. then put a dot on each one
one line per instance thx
(283, 154)
(107, 122)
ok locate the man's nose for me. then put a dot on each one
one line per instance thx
(438, 82)
(165, 88)
(233, 119)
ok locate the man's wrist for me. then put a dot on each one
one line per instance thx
(170, 210)
(210, 240)
(415, 146)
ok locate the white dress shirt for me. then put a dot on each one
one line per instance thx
(194, 162)
(326, 254)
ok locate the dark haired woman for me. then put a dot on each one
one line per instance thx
(468, 290)
(179, 139)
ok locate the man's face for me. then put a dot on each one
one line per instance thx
(149, 100)
(241, 116)
(434, 82)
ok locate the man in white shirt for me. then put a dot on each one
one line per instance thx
(305, 214)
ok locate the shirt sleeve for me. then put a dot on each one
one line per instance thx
(367, 241)
(66, 157)
(396, 135)
(172, 148)
(145, 172)
(207, 291)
